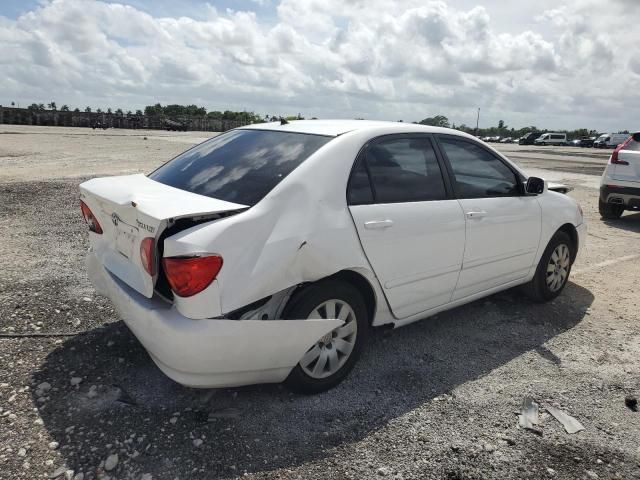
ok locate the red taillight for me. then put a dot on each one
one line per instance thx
(91, 220)
(190, 275)
(614, 156)
(147, 255)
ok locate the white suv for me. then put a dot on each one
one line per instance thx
(620, 184)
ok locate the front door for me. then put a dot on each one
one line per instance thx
(503, 225)
(411, 229)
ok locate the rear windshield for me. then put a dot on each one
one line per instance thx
(239, 166)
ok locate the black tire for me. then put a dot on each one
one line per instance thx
(301, 305)
(538, 289)
(610, 211)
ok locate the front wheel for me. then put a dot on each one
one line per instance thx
(328, 361)
(610, 211)
(553, 269)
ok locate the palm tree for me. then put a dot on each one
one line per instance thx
(98, 110)
(64, 108)
(88, 109)
(52, 106)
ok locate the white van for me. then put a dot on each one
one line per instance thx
(610, 140)
(551, 139)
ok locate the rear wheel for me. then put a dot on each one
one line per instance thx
(610, 211)
(553, 269)
(327, 362)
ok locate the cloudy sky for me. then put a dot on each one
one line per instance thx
(553, 64)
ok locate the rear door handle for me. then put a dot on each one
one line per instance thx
(378, 224)
(478, 214)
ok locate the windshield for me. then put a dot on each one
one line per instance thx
(239, 166)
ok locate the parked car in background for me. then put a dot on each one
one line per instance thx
(552, 139)
(610, 140)
(507, 140)
(587, 142)
(175, 126)
(528, 138)
(620, 183)
(266, 253)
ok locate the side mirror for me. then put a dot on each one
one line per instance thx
(636, 136)
(534, 186)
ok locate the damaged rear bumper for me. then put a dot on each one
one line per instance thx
(211, 352)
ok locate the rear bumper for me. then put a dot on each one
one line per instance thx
(209, 353)
(620, 195)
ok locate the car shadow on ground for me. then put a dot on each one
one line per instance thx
(125, 405)
(629, 221)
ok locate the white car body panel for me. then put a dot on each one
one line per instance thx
(206, 353)
(417, 257)
(503, 235)
(303, 231)
(131, 208)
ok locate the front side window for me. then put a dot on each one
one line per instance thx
(400, 170)
(239, 166)
(478, 173)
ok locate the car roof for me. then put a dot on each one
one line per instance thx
(338, 127)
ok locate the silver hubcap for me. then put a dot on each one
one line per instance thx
(331, 352)
(558, 267)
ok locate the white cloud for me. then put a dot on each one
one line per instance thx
(364, 58)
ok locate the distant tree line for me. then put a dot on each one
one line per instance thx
(503, 130)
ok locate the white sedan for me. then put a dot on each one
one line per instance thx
(265, 254)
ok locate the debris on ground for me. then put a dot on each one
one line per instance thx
(570, 424)
(631, 401)
(528, 418)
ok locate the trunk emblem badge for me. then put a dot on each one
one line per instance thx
(115, 218)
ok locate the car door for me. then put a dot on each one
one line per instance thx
(411, 228)
(503, 225)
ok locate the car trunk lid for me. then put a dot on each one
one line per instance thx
(132, 208)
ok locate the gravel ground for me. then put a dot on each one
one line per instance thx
(437, 399)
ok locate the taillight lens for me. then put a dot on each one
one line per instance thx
(91, 220)
(190, 275)
(614, 156)
(147, 255)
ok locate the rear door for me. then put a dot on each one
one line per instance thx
(411, 229)
(503, 225)
(627, 167)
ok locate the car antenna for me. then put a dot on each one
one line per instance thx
(283, 121)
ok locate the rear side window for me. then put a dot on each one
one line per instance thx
(239, 166)
(632, 145)
(478, 173)
(360, 192)
(400, 170)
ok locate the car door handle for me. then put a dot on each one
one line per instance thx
(378, 224)
(478, 214)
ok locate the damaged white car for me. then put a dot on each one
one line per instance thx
(265, 254)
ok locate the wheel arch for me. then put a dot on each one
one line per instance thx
(353, 278)
(571, 231)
